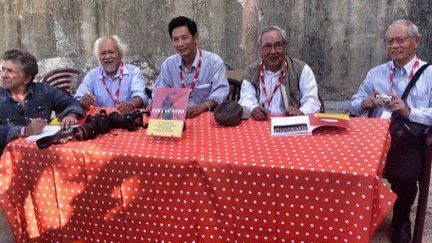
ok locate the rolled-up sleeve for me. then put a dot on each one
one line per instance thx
(365, 89)
(220, 86)
(138, 85)
(248, 98)
(86, 85)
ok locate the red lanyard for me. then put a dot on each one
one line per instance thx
(281, 79)
(195, 79)
(115, 98)
(416, 63)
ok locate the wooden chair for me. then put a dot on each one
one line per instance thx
(235, 81)
(65, 79)
(423, 192)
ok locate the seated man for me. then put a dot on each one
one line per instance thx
(25, 106)
(278, 84)
(403, 166)
(113, 83)
(201, 71)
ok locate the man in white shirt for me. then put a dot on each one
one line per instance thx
(404, 165)
(278, 84)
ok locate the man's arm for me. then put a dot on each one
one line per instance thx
(309, 102)
(365, 91)
(63, 103)
(85, 92)
(164, 79)
(219, 83)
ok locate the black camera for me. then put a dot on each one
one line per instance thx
(130, 121)
(94, 125)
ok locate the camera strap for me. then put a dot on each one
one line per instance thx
(414, 80)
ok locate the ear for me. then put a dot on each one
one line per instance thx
(417, 40)
(196, 38)
(28, 78)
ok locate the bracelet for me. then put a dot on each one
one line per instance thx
(132, 104)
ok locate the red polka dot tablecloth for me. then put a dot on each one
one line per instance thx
(215, 184)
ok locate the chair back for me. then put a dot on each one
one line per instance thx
(235, 81)
(65, 79)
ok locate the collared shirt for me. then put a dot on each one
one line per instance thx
(309, 102)
(419, 99)
(212, 81)
(132, 85)
(40, 101)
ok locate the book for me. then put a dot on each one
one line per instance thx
(304, 125)
(168, 112)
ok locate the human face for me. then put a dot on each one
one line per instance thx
(184, 43)
(399, 45)
(109, 56)
(12, 76)
(272, 50)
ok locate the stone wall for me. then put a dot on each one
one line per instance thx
(340, 40)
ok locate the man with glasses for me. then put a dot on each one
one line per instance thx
(278, 84)
(114, 83)
(379, 95)
(201, 71)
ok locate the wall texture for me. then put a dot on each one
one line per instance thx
(340, 40)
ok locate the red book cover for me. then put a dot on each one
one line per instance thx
(170, 104)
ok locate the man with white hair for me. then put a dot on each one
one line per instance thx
(278, 84)
(380, 95)
(114, 83)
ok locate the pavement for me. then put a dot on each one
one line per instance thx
(381, 236)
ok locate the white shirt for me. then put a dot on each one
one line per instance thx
(309, 102)
(419, 99)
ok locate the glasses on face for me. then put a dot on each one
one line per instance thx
(278, 46)
(398, 40)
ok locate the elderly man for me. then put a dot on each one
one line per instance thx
(201, 71)
(404, 165)
(113, 83)
(25, 106)
(278, 84)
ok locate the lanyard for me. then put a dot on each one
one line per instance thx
(195, 79)
(115, 98)
(281, 79)
(416, 63)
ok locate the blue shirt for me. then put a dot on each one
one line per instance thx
(132, 85)
(212, 81)
(419, 99)
(40, 101)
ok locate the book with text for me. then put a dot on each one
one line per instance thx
(168, 112)
(297, 125)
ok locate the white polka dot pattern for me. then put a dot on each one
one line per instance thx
(215, 184)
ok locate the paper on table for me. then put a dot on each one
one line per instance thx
(47, 131)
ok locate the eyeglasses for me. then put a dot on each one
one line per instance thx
(397, 40)
(278, 46)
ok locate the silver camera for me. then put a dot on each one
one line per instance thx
(385, 99)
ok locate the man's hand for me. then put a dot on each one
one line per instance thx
(35, 127)
(292, 111)
(397, 105)
(259, 113)
(125, 107)
(87, 100)
(68, 121)
(371, 102)
(193, 111)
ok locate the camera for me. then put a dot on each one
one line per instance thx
(102, 123)
(385, 99)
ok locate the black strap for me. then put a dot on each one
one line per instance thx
(414, 80)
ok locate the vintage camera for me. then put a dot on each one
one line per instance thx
(385, 99)
(94, 125)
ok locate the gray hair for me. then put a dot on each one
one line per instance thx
(412, 28)
(269, 29)
(122, 47)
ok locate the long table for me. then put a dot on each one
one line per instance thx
(215, 184)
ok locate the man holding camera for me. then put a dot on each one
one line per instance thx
(26, 106)
(380, 96)
(278, 84)
(201, 71)
(114, 83)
